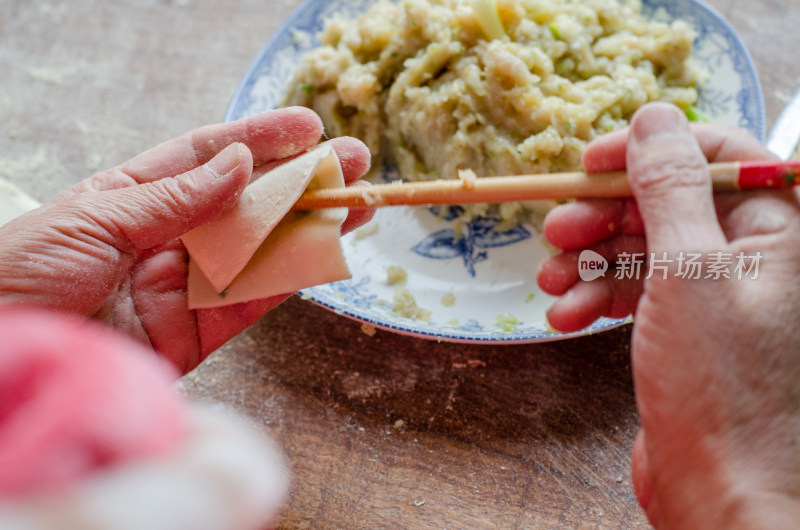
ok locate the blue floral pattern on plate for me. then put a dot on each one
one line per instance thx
(489, 272)
(471, 242)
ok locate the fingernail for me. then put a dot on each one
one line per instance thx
(657, 119)
(226, 161)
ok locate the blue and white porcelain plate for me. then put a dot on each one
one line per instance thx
(479, 284)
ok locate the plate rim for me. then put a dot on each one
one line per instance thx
(598, 326)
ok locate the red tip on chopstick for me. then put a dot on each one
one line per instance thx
(761, 175)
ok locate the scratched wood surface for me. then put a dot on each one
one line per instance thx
(383, 431)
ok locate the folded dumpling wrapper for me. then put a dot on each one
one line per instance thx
(260, 248)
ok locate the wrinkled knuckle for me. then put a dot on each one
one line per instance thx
(766, 213)
(79, 202)
(670, 174)
(175, 195)
(81, 210)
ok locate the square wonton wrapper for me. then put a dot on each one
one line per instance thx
(260, 248)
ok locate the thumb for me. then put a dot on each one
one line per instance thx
(669, 178)
(151, 214)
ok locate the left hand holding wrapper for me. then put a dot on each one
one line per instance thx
(93, 435)
(108, 248)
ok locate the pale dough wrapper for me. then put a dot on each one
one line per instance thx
(260, 248)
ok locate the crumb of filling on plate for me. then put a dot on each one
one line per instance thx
(507, 322)
(449, 299)
(404, 305)
(396, 275)
(365, 231)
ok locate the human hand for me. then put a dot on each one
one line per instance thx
(107, 248)
(715, 361)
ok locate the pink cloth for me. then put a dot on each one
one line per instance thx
(75, 398)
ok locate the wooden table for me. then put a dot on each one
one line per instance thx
(383, 431)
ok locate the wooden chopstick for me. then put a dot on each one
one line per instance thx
(729, 176)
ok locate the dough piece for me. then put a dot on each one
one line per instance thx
(76, 398)
(93, 435)
(261, 249)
